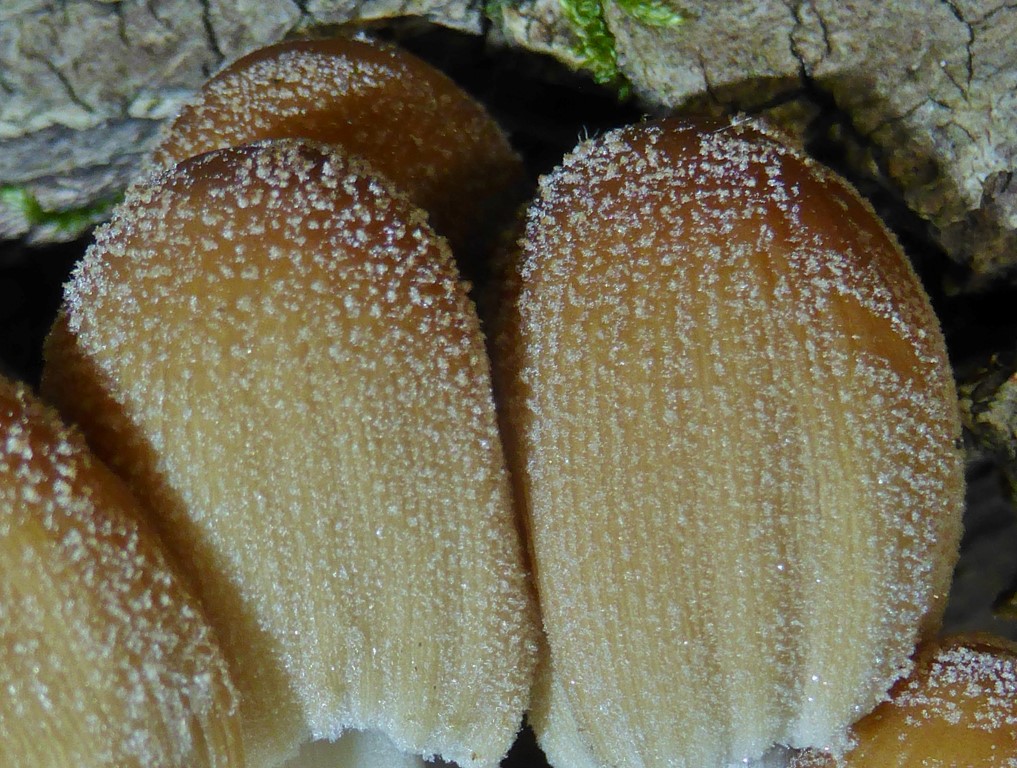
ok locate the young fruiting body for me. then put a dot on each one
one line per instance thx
(105, 658)
(730, 412)
(957, 707)
(407, 119)
(276, 351)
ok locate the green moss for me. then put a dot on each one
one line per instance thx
(596, 46)
(69, 221)
(652, 13)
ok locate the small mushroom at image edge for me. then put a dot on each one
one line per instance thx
(958, 707)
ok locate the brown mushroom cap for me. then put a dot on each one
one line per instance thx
(105, 658)
(277, 352)
(411, 122)
(958, 707)
(734, 423)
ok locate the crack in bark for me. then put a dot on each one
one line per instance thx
(531, 22)
(707, 85)
(968, 46)
(301, 5)
(891, 119)
(486, 19)
(993, 11)
(210, 35)
(799, 24)
(1004, 186)
(823, 29)
(118, 10)
(956, 124)
(832, 115)
(979, 24)
(65, 83)
(152, 9)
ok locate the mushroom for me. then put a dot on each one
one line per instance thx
(105, 657)
(729, 409)
(276, 351)
(957, 707)
(410, 121)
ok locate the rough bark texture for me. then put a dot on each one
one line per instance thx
(929, 87)
(85, 85)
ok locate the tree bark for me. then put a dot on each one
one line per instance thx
(929, 88)
(84, 87)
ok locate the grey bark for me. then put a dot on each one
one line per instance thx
(84, 85)
(929, 85)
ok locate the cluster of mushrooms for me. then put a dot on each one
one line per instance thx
(685, 491)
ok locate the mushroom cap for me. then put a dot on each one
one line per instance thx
(957, 707)
(105, 657)
(730, 409)
(278, 353)
(410, 121)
